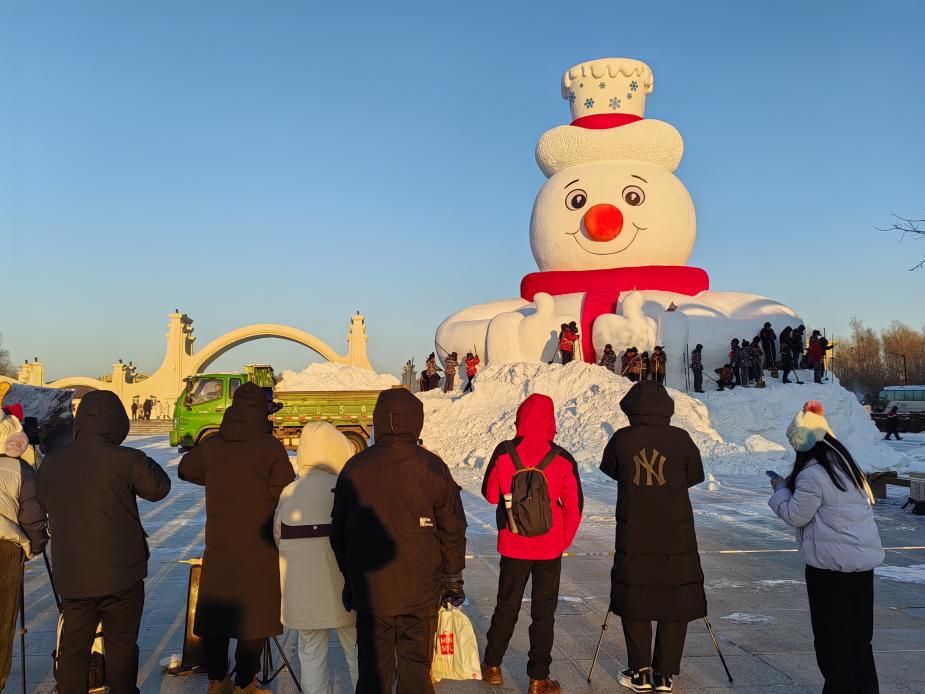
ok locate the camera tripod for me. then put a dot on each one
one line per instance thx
(269, 672)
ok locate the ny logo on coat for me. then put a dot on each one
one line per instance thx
(654, 466)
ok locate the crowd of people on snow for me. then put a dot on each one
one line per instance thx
(748, 359)
(371, 544)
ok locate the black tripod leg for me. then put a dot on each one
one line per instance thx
(269, 673)
(600, 641)
(716, 646)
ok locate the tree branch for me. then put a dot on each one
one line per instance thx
(906, 225)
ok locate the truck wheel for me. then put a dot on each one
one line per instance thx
(358, 440)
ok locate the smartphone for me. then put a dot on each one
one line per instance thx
(773, 475)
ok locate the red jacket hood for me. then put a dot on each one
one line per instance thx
(536, 418)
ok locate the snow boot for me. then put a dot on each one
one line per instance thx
(546, 686)
(252, 688)
(662, 683)
(220, 686)
(492, 675)
(637, 680)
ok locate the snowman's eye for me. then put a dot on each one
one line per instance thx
(634, 195)
(576, 199)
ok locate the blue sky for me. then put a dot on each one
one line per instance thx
(292, 162)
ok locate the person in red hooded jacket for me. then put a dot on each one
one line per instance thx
(540, 556)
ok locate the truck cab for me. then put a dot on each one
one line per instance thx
(201, 406)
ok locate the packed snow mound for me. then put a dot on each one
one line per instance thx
(738, 431)
(330, 376)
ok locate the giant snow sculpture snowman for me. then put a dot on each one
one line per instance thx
(611, 231)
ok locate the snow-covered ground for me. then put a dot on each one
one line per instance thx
(329, 376)
(737, 431)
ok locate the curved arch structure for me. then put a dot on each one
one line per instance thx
(180, 361)
(77, 381)
(212, 351)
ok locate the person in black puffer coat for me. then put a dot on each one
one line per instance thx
(656, 571)
(399, 535)
(99, 552)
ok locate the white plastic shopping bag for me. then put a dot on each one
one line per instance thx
(456, 652)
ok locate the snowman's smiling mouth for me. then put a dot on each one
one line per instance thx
(578, 238)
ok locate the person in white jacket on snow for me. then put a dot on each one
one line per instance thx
(312, 584)
(828, 501)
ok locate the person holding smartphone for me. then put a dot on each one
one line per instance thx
(828, 501)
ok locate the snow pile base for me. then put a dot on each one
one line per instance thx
(737, 431)
(329, 376)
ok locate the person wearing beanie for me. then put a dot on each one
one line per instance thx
(892, 424)
(312, 585)
(398, 531)
(827, 500)
(22, 530)
(656, 574)
(244, 470)
(90, 489)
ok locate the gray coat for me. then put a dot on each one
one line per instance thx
(835, 529)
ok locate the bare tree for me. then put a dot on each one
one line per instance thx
(906, 226)
(6, 366)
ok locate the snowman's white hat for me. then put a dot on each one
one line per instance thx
(608, 101)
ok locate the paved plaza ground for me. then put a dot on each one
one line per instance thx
(756, 595)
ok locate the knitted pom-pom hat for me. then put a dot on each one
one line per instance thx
(809, 426)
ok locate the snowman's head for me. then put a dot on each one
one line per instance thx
(612, 214)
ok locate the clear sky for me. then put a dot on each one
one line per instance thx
(293, 162)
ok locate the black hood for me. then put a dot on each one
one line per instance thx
(647, 402)
(101, 415)
(398, 412)
(247, 416)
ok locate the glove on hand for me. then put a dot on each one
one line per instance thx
(453, 593)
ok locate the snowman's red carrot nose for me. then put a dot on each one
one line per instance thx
(603, 222)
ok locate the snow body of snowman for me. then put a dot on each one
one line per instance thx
(612, 230)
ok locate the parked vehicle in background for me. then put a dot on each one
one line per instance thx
(910, 404)
(907, 398)
(202, 404)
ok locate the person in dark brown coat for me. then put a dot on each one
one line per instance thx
(244, 470)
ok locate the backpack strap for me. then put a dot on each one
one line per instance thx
(512, 452)
(554, 451)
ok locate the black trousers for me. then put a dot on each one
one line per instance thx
(468, 387)
(247, 654)
(544, 597)
(120, 615)
(770, 353)
(669, 645)
(566, 356)
(841, 607)
(698, 380)
(381, 641)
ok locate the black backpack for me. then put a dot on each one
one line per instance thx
(529, 514)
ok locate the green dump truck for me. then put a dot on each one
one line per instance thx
(205, 398)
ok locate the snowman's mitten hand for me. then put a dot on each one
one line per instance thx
(515, 337)
(632, 328)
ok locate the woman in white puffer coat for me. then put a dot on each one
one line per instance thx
(828, 501)
(312, 585)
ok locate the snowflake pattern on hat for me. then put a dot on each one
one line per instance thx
(615, 103)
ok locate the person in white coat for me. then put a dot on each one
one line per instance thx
(312, 584)
(828, 501)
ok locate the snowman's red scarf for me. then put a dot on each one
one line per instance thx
(602, 289)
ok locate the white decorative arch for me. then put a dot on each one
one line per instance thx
(215, 349)
(78, 381)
